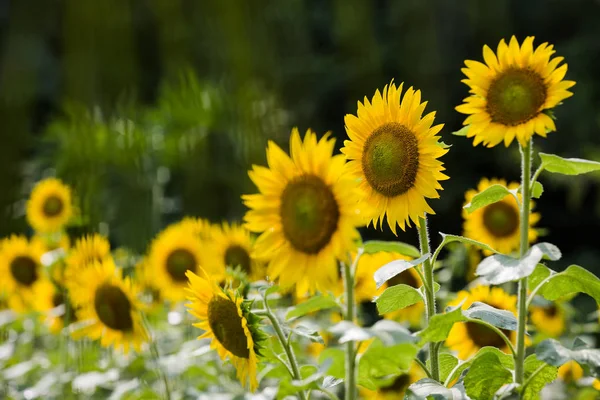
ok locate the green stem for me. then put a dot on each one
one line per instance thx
(498, 332)
(423, 367)
(538, 287)
(156, 356)
(524, 246)
(350, 380)
(430, 294)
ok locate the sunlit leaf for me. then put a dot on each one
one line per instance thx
(379, 362)
(462, 132)
(397, 297)
(447, 363)
(506, 360)
(572, 280)
(568, 166)
(315, 303)
(390, 270)
(489, 195)
(446, 238)
(376, 246)
(440, 324)
(486, 376)
(426, 389)
(544, 375)
(499, 318)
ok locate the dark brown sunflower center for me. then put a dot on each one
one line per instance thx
(113, 307)
(551, 311)
(53, 206)
(226, 324)
(516, 96)
(180, 261)
(237, 256)
(399, 385)
(309, 213)
(404, 278)
(483, 336)
(58, 299)
(501, 219)
(24, 270)
(391, 159)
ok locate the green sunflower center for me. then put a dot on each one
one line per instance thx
(113, 307)
(180, 261)
(309, 213)
(24, 270)
(404, 278)
(501, 219)
(399, 385)
(516, 96)
(391, 159)
(53, 206)
(237, 256)
(226, 324)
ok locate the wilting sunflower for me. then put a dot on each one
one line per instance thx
(226, 319)
(396, 387)
(86, 251)
(20, 271)
(232, 246)
(570, 372)
(549, 319)
(54, 303)
(511, 92)
(468, 337)
(307, 213)
(172, 253)
(497, 224)
(109, 304)
(49, 208)
(393, 152)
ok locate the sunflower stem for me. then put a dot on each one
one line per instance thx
(524, 245)
(156, 356)
(430, 294)
(350, 381)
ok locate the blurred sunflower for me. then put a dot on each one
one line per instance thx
(143, 277)
(570, 372)
(232, 246)
(172, 253)
(86, 251)
(306, 211)
(497, 224)
(49, 207)
(549, 320)
(48, 297)
(109, 303)
(227, 320)
(20, 271)
(393, 152)
(511, 91)
(396, 387)
(468, 337)
(197, 226)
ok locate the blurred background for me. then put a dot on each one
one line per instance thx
(156, 109)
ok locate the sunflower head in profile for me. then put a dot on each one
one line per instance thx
(570, 372)
(306, 212)
(393, 152)
(497, 224)
(226, 319)
(20, 271)
(53, 302)
(511, 93)
(549, 319)
(396, 387)
(49, 207)
(172, 253)
(109, 305)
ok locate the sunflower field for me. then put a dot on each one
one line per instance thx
(303, 200)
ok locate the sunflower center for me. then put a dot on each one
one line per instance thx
(226, 324)
(391, 159)
(551, 311)
(399, 385)
(58, 299)
(501, 219)
(237, 256)
(404, 278)
(53, 206)
(309, 213)
(516, 96)
(180, 261)
(113, 307)
(24, 270)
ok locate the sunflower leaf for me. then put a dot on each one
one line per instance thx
(568, 166)
(447, 363)
(376, 246)
(397, 297)
(440, 324)
(499, 318)
(554, 353)
(499, 268)
(308, 333)
(315, 303)
(538, 275)
(461, 132)
(490, 195)
(379, 362)
(572, 280)
(505, 359)
(336, 369)
(446, 238)
(390, 270)
(537, 190)
(486, 376)
(544, 374)
(427, 388)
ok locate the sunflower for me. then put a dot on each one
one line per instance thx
(197, 226)
(570, 372)
(48, 299)
(511, 91)
(109, 304)
(549, 319)
(468, 337)
(233, 246)
(393, 152)
(227, 320)
(20, 271)
(173, 252)
(396, 387)
(497, 224)
(307, 213)
(49, 208)
(86, 251)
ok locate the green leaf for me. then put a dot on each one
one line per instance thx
(554, 353)
(462, 132)
(446, 238)
(440, 324)
(490, 195)
(397, 297)
(447, 363)
(427, 388)
(389, 332)
(547, 374)
(379, 362)
(540, 273)
(499, 318)
(308, 333)
(499, 268)
(315, 303)
(336, 369)
(506, 360)
(572, 280)
(486, 376)
(391, 269)
(568, 166)
(537, 190)
(376, 246)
